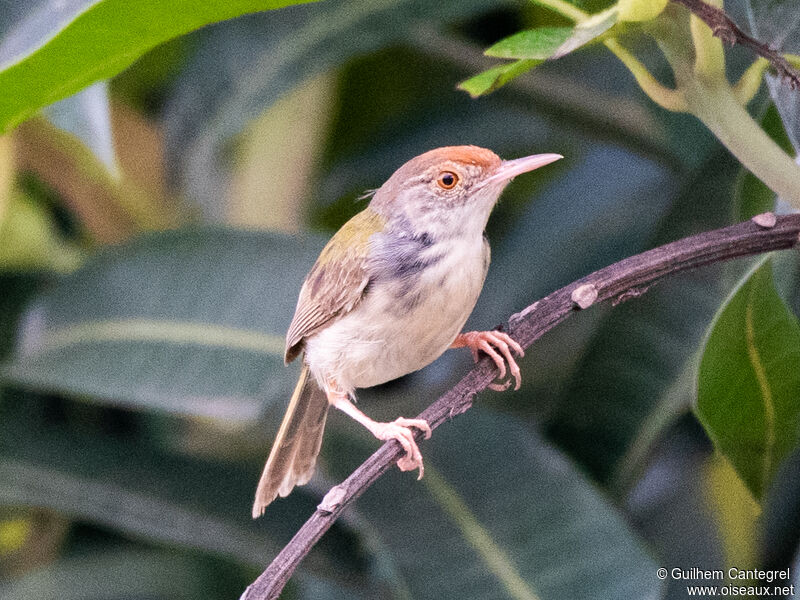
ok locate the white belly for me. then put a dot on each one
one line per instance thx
(401, 326)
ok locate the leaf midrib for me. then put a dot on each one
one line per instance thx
(495, 558)
(154, 330)
(765, 389)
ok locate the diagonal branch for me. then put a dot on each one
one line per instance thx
(724, 28)
(621, 281)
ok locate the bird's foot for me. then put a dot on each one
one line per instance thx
(499, 346)
(400, 430)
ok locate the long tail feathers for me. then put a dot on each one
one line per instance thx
(294, 452)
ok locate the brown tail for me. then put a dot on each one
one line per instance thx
(294, 452)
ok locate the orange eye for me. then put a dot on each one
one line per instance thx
(447, 180)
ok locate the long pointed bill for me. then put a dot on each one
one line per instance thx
(509, 169)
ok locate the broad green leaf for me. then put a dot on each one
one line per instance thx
(399, 101)
(129, 486)
(534, 43)
(57, 48)
(307, 587)
(496, 77)
(501, 514)
(188, 322)
(640, 10)
(121, 575)
(748, 385)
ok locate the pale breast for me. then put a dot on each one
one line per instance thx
(420, 295)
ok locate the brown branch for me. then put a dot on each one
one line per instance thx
(724, 28)
(626, 279)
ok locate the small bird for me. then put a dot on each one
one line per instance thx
(389, 293)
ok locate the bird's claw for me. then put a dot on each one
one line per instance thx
(500, 387)
(400, 430)
(499, 346)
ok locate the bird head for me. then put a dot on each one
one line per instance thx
(454, 187)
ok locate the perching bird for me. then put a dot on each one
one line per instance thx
(388, 295)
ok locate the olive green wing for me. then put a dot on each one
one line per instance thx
(336, 282)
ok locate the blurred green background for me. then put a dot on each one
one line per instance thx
(156, 227)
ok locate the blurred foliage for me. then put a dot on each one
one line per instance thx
(155, 229)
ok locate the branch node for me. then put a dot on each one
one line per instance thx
(584, 295)
(333, 499)
(765, 220)
(725, 33)
(459, 408)
(633, 292)
(520, 316)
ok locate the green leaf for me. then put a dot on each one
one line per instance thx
(588, 30)
(737, 514)
(752, 197)
(189, 322)
(501, 514)
(119, 575)
(535, 46)
(496, 77)
(59, 48)
(534, 43)
(749, 380)
(125, 484)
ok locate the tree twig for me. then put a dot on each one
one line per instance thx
(621, 281)
(724, 28)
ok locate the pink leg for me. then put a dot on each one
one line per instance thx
(487, 341)
(399, 429)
